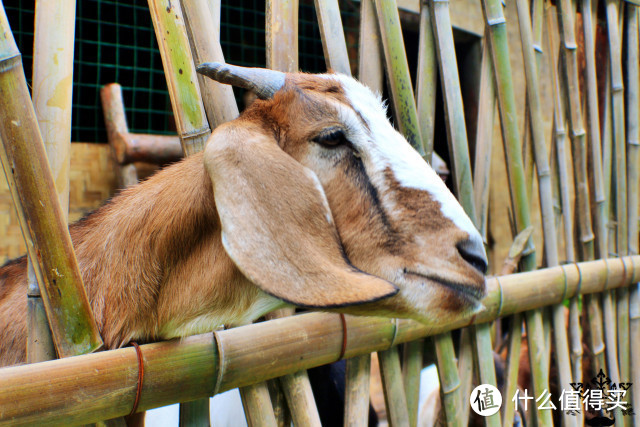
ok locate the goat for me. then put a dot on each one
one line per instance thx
(310, 198)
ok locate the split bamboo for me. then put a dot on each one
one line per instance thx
(332, 35)
(52, 88)
(180, 72)
(218, 99)
(87, 388)
(32, 185)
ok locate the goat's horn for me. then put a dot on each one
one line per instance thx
(262, 81)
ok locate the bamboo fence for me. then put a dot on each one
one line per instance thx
(72, 391)
(597, 110)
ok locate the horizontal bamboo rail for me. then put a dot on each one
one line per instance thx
(86, 389)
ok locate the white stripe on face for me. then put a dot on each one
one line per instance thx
(387, 148)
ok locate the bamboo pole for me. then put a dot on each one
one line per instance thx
(370, 68)
(87, 388)
(494, 17)
(620, 182)
(282, 55)
(179, 69)
(204, 35)
(426, 81)
(332, 35)
(371, 73)
(52, 89)
(404, 104)
(413, 353)
(33, 191)
(356, 400)
(633, 162)
(597, 180)
(186, 99)
(394, 394)
(484, 140)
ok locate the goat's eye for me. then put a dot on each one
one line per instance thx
(332, 137)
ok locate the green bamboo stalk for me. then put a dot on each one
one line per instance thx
(394, 395)
(426, 82)
(545, 192)
(494, 17)
(179, 69)
(620, 182)
(332, 35)
(633, 161)
(451, 399)
(41, 219)
(411, 367)
(404, 104)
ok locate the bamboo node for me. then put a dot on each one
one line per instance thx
(617, 87)
(196, 133)
(537, 48)
(10, 61)
(500, 305)
(577, 133)
(570, 45)
(566, 285)
(633, 142)
(395, 333)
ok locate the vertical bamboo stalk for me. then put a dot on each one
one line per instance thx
(393, 389)
(411, 367)
(545, 193)
(332, 35)
(494, 17)
(257, 404)
(219, 102)
(179, 69)
(597, 179)
(426, 81)
(52, 88)
(633, 162)
(620, 183)
(29, 176)
(484, 139)
(356, 400)
(404, 104)
(282, 55)
(370, 68)
(282, 35)
(371, 72)
(188, 109)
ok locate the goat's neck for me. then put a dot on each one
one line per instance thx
(153, 262)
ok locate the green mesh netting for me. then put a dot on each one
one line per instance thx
(115, 42)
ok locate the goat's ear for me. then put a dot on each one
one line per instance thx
(276, 223)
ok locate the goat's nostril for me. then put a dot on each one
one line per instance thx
(473, 256)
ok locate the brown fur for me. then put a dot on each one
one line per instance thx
(153, 262)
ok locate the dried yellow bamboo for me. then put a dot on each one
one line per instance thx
(102, 385)
(33, 190)
(179, 69)
(282, 35)
(52, 87)
(332, 35)
(356, 399)
(218, 99)
(370, 68)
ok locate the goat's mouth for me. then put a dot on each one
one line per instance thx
(473, 294)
